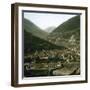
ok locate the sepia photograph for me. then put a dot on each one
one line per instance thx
(51, 44)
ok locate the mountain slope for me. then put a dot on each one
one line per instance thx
(67, 33)
(35, 30)
(33, 43)
(69, 25)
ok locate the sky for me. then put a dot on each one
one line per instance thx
(45, 20)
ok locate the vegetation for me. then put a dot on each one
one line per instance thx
(35, 30)
(33, 43)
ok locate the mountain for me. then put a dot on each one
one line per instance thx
(50, 29)
(35, 30)
(65, 35)
(68, 33)
(33, 43)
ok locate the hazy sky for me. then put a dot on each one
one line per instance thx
(45, 20)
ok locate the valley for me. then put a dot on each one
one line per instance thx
(53, 53)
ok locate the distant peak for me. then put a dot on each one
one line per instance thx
(50, 29)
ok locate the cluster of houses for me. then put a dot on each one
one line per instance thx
(53, 56)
